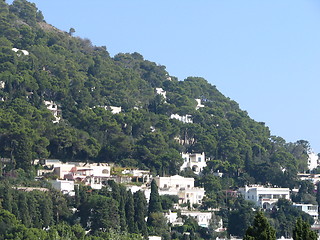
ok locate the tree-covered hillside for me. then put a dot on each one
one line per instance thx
(83, 81)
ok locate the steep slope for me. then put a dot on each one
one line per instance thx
(83, 84)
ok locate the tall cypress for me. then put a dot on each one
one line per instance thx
(122, 205)
(24, 209)
(140, 211)
(154, 201)
(7, 197)
(132, 226)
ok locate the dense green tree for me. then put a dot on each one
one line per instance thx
(302, 231)
(140, 209)
(129, 207)
(260, 230)
(154, 202)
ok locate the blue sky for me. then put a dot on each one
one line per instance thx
(263, 54)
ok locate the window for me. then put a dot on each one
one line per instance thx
(177, 186)
(199, 159)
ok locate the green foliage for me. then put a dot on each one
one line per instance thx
(155, 201)
(260, 230)
(302, 231)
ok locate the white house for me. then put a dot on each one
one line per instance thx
(154, 238)
(53, 108)
(312, 210)
(115, 110)
(181, 187)
(313, 161)
(195, 161)
(264, 197)
(90, 174)
(199, 105)
(174, 182)
(202, 218)
(191, 195)
(161, 92)
(185, 119)
(2, 84)
(65, 186)
(16, 50)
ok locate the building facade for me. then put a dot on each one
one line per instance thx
(264, 197)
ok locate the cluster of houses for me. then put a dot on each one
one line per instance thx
(96, 175)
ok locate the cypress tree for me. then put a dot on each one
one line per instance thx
(154, 201)
(132, 227)
(260, 230)
(122, 205)
(7, 197)
(302, 231)
(140, 211)
(23, 209)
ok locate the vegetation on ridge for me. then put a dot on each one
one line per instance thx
(82, 80)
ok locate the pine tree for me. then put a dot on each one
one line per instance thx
(260, 230)
(302, 231)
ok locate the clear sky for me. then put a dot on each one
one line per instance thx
(263, 54)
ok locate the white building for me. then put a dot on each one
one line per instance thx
(53, 108)
(181, 187)
(2, 84)
(93, 175)
(312, 210)
(313, 161)
(199, 105)
(154, 238)
(19, 51)
(314, 178)
(195, 161)
(115, 110)
(138, 175)
(161, 92)
(64, 186)
(185, 119)
(202, 218)
(264, 197)
(90, 174)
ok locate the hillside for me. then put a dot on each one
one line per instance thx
(63, 98)
(83, 81)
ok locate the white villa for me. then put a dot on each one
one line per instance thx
(264, 197)
(64, 186)
(313, 161)
(53, 108)
(161, 92)
(181, 187)
(19, 51)
(2, 84)
(113, 109)
(199, 105)
(312, 210)
(202, 218)
(93, 175)
(185, 119)
(195, 161)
